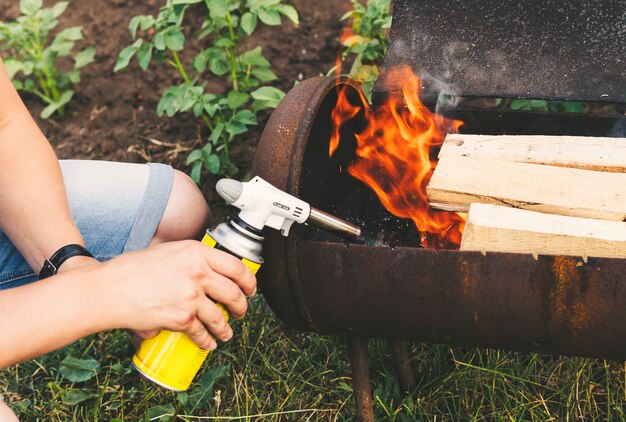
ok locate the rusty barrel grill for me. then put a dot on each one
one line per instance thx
(551, 50)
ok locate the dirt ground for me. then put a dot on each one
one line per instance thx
(113, 115)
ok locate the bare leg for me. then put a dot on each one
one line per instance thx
(6, 414)
(187, 213)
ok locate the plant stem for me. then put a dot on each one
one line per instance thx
(207, 122)
(180, 68)
(231, 53)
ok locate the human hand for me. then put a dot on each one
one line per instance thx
(168, 287)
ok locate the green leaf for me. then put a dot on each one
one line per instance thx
(126, 54)
(62, 48)
(211, 108)
(246, 117)
(198, 108)
(264, 74)
(235, 128)
(254, 57)
(144, 55)
(212, 163)
(12, 66)
(269, 17)
(133, 25)
(30, 7)
(196, 171)
(217, 132)
(224, 43)
(268, 94)
(219, 66)
(166, 105)
(236, 99)
(74, 396)
(78, 370)
(174, 40)
(74, 76)
(289, 11)
(84, 58)
(159, 41)
(194, 156)
(218, 9)
(74, 33)
(201, 60)
(59, 8)
(204, 390)
(522, 104)
(248, 22)
(161, 412)
(58, 105)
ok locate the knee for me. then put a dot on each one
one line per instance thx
(187, 213)
(6, 414)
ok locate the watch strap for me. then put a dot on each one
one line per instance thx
(51, 266)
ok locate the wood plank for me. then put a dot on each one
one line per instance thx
(459, 181)
(502, 229)
(590, 153)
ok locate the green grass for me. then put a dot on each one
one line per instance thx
(271, 372)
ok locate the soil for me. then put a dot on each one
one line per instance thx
(113, 115)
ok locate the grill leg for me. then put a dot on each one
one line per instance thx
(402, 365)
(357, 347)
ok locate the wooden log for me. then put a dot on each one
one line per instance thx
(502, 229)
(590, 153)
(459, 181)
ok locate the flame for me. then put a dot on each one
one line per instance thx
(394, 157)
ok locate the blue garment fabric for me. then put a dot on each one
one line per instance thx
(117, 208)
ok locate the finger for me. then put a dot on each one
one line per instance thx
(212, 317)
(199, 335)
(232, 268)
(224, 291)
(145, 334)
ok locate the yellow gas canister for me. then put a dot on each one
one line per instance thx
(172, 359)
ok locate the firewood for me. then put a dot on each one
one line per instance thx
(590, 153)
(502, 229)
(459, 181)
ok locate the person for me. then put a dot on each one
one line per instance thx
(135, 219)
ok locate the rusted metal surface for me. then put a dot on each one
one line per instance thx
(303, 114)
(559, 305)
(402, 365)
(552, 49)
(553, 304)
(357, 348)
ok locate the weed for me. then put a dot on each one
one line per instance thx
(34, 54)
(226, 24)
(365, 40)
(272, 372)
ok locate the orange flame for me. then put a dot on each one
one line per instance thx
(394, 157)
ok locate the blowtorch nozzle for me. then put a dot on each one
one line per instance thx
(262, 204)
(229, 189)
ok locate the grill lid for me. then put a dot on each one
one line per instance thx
(549, 49)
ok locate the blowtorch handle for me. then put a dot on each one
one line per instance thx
(334, 224)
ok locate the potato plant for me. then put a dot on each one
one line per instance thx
(33, 54)
(366, 41)
(226, 24)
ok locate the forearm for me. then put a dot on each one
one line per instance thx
(50, 314)
(33, 204)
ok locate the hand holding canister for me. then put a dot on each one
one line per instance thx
(172, 359)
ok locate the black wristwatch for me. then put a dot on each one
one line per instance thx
(51, 266)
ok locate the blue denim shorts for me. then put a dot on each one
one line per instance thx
(117, 207)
